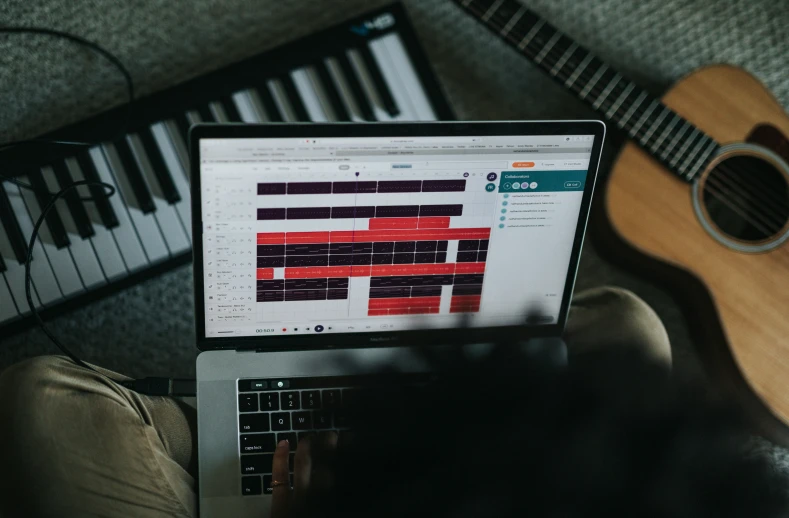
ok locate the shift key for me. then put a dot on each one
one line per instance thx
(257, 443)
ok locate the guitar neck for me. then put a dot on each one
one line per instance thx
(679, 145)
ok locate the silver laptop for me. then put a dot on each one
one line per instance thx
(323, 252)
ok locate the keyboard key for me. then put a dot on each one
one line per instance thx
(280, 384)
(291, 465)
(257, 443)
(250, 111)
(142, 195)
(312, 102)
(15, 272)
(399, 73)
(263, 94)
(303, 435)
(322, 419)
(251, 486)
(183, 122)
(180, 177)
(290, 437)
(13, 233)
(351, 397)
(355, 87)
(384, 94)
(74, 205)
(341, 419)
(332, 93)
(252, 385)
(256, 464)
(269, 401)
(8, 308)
(280, 421)
(247, 403)
(97, 192)
(231, 113)
(253, 423)
(294, 99)
(205, 114)
(289, 400)
(311, 399)
(302, 420)
(54, 224)
(281, 100)
(156, 162)
(332, 398)
(3, 267)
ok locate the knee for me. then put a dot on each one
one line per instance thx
(22, 386)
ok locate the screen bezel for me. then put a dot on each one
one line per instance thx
(409, 129)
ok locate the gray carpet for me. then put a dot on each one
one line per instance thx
(147, 330)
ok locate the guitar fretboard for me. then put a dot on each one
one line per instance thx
(675, 142)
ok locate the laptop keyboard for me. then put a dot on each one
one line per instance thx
(273, 409)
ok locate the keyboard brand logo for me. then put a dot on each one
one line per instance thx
(379, 23)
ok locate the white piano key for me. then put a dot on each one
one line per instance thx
(103, 241)
(308, 96)
(372, 93)
(81, 250)
(145, 224)
(7, 307)
(244, 107)
(173, 229)
(15, 273)
(40, 270)
(335, 71)
(257, 104)
(180, 146)
(323, 98)
(218, 112)
(400, 75)
(281, 99)
(60, 260)
(170, 157)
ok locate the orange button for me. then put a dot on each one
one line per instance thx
(522, 164)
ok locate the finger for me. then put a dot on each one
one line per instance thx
(280, 503)
(324, 450)
(303, 466)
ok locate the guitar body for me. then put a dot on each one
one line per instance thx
(738, 303)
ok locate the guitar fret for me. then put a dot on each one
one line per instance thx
(702, 160)
(530, 35)
(606, 92)
(595, 78)
(684, 147)
(692, 155)
(630, 111)
(643, 118)
(666, 132)
(619, 100)
(654, 126)
(548, 47)
(493, 8)
(505, 31)
(675, 140)
(574, 76)
(559, 64)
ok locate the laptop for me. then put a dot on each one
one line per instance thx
(324, 252)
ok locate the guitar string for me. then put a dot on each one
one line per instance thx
(737, 200)
(597, 90)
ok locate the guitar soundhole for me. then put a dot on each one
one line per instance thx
(747, 198)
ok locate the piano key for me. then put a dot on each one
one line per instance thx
(231, 113)
(146, 225)
(101, 204)
(170, 156)
(60, 259)
(16, 240)
(281, 101)
(295, 100)
(389, 50)
(331, 92)
(246, 110)
(73, 205)
(183, 123)
(173, 229)
(163, 177)
(41, 274)
(126, 171)
(2, 264)
(354, 111)
(179, 144)
(205, 115)
(311, 101)
(15, 272)
(366, 81)
(103, 240)
(218, 112)
(53, 222)
(81, 250)
(263, 94)
(384, 94)
(356, 87)
(8, 309)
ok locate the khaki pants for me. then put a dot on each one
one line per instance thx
(73, 443)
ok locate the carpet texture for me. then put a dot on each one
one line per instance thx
(148, 329)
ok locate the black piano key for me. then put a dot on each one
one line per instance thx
(294, 99)
(230, 109)
(97, 192)
(134, 175)
(53, 220)
(331, 92)
(378, 80)
(160, 169)
(11, 226)
(356, 88)
(2, 265)
(73, 203)
(205, 114)
(183, 123)
(269, 104)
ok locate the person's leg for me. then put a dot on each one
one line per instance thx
(73, 443)
(615, 320)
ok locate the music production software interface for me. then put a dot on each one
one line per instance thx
(340, 235)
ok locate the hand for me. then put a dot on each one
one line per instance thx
(310, 474)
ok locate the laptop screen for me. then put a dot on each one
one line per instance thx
(354, 235)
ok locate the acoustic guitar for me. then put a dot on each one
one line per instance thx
(700, 198)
